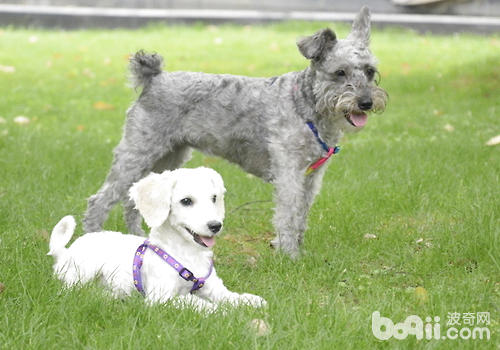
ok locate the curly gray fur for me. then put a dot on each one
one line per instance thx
(143, 67)
(257, 123)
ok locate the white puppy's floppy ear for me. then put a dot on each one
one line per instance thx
(152, 196)
(218, 182)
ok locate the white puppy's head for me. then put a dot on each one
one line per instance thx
(191, 201)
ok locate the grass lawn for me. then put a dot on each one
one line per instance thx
(420, 179)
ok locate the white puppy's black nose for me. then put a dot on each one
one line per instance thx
(214, 226)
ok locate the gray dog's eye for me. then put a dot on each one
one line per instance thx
(186, 202)
(340, 73)
(370, 72)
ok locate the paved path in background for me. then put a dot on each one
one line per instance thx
(77, 17)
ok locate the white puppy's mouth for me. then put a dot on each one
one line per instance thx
(204, 241)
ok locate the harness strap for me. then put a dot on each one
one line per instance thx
(185, 273)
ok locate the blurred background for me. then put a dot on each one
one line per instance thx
(424, 15)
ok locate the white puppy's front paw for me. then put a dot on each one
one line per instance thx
(253, 300)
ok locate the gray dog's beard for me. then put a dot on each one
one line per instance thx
(379, 97)
(330, 103)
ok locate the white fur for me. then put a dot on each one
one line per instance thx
(109, 255)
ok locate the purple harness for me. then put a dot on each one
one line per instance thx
(183, 272)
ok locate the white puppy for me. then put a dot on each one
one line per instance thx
(184, 209)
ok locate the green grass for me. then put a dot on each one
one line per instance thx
(430, 196)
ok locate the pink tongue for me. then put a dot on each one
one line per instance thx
(358, 119)
(209, 241)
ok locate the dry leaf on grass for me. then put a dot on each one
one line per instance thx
(21, 120)
(449, 127)
(405, 68)
(103, 106)
(44, 234)
(493, 141)
(7, 69)
(88, 73)
(260, 327)
(107, 82)
(274, 47)
(421, 295)
(252, 261)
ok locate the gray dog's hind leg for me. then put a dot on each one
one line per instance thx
(170, 161)
(110, 193)
(129, 166)
(174, 159)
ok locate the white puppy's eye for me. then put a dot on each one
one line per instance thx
(186, 202)
(214, 198)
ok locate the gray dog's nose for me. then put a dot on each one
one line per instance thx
(365, 103)
(214, 226)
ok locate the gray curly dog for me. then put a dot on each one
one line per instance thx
(274, 128)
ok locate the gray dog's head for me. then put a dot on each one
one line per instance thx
(344, 73)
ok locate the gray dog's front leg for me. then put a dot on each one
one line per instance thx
(291, 207)
(312, 188)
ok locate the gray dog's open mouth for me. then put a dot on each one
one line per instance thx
(201, 240)
(356, 119)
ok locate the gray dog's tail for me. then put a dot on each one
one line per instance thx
(143, 67)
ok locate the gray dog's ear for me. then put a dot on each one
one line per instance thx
(314, 46)
(152, 196)
(360, 31)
